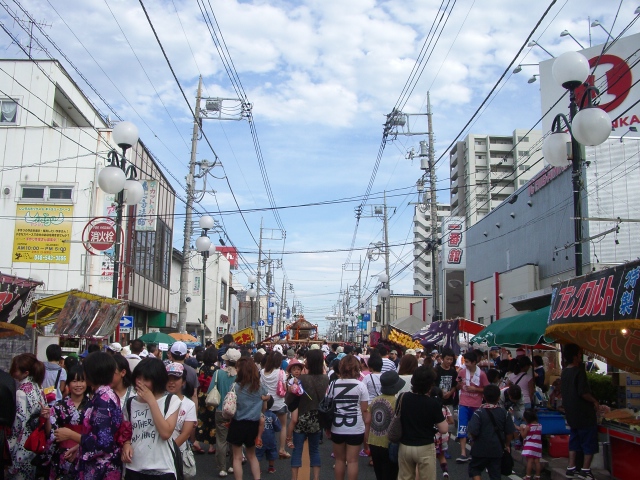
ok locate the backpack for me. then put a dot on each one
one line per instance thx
(173, 446)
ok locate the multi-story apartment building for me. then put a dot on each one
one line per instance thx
(422, 278)
(487, 169)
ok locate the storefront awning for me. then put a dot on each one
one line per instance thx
(16, 296)
(524, 329)
(600, 312)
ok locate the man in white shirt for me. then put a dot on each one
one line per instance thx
(134, 358)
(387, 364)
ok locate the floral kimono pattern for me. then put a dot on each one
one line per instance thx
(99, 457)
(64, 414)
(206, 427)
(29, 398)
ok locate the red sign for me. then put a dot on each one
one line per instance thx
(231, 254)
(99, 235)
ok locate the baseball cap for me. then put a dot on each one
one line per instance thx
(291, 353)
(315, 346)
(262, 351)
(179, 348)
(175, 369)
(410, 351)
(231, 355)
(115, 347)
(495, 349)
(419, 350)
(434, 352)
(395, 352)
(277, 348)
(340, 349)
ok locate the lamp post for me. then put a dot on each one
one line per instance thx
(587, 125)
(205, 248)
(383, 293)
(119, 179)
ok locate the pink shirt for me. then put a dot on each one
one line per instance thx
(472, 399)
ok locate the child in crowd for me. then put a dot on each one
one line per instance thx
(294, 370)
(532, 449)
(269, 448)
(442, 439)
(493, 376)
(187, 416)
(153, 415)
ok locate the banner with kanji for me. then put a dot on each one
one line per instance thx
(454, 235)
(16, 296)
(600, 312)
(243, 337)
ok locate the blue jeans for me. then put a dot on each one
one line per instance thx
(314, 448)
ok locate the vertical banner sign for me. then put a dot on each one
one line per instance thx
(454, 244)
(147, 208)
(106, 261)
(42, 233)
(197, 279)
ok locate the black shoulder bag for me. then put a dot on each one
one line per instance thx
(327, 408)
(506, 466)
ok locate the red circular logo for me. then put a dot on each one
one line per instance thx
(616, 82)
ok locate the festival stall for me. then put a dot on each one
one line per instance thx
(242, 337)
(526, 329)
(447, 333)
(394, 338)
(600, 312)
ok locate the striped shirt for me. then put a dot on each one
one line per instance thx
(533, 441)
(388, 365)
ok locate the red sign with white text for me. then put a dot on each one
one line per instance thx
(231, 254)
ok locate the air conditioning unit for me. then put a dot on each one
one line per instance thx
(221, 330)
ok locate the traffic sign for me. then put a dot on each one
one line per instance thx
(261, 323)
(126, 322)
(366, 317)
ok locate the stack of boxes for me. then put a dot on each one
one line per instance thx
(629, 390)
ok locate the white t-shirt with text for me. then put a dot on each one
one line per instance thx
(150, 452)
(347, 395)
(188, 413)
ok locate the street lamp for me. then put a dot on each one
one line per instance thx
(587, 125)
(383, 293)
(566, 33)
(596, 23)
(205, 248)
(533, 43)
(120, 180)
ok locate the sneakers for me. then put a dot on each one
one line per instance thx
(575, 473)
(222, 473)
(463, 459)
(586, 474)
(230, 470)
(364, 453)
(271, 469)
(445, 474)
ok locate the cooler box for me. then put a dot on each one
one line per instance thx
(559, 446)
(553, 423)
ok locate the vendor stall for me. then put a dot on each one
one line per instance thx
(242, 337)
(447, 333)
(394, 337)
(16, 297)
(600, 312)
(524, 329)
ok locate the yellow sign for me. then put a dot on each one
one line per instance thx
(243, 337)
(42, 233)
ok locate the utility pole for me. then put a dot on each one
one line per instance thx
(386, 259)
(260, 329)
(186, 247)
(283, 305)
(434, 212)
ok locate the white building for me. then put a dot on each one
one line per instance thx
(53, 145)
(422, 281)
(486, 169)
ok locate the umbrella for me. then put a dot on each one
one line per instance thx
(524, 329)
(184, 337)
(157, 337)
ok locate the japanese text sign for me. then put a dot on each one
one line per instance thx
(454, 243)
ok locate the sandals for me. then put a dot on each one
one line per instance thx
(196, 448)
(290, 443)
(284, 455)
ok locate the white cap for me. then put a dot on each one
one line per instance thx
(115, 347)
(277, 348)
(231, 355)
(410, 351)
(179, 348)
(314, 346)
(262, 351)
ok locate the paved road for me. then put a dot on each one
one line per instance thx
(206, 467)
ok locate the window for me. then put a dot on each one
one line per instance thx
(152, 254)
(223, 295)
(523, 182)
(8, 112)
(47, 193)
(523, 139)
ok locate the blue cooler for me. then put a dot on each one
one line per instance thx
(553, 423)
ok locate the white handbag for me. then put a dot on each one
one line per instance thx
(213, 397)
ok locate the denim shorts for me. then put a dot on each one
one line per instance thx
(584, 440)
(314, 448)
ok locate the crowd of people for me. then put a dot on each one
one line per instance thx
(135, 416)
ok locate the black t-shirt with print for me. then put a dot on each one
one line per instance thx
(446, 381)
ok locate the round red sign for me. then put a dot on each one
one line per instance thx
(99, 235)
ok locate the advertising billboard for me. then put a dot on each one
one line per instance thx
(454, 236)
(614, 70)
(42, 233)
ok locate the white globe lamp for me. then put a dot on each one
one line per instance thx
(591, 126)
(133, 192)
(125, 135)
(555, 149)
(570, 70)
(206, 222)
(203, 244)
(111, 179)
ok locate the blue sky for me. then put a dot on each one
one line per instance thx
(320, 75)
